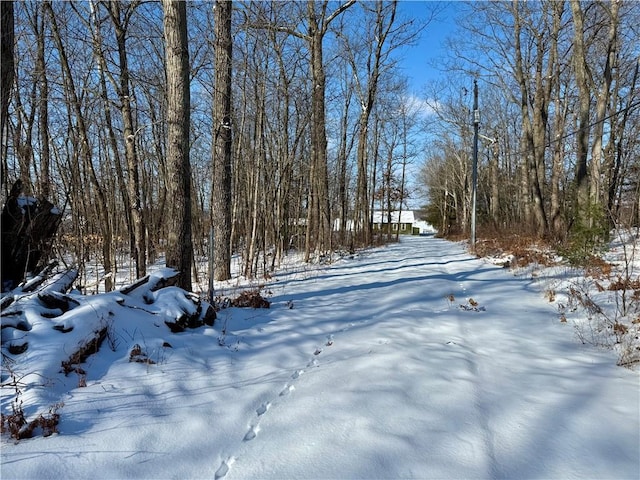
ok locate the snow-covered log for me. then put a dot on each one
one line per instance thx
(50, 298)
(150, 283)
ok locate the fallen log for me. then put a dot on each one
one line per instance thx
(166, 277)
(55, 300)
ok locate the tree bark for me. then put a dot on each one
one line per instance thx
(179, 242)
(6, 79)
(221, 183)
(43, 109)
(584, 105)
(597, 195)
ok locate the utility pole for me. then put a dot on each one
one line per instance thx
(474, 175)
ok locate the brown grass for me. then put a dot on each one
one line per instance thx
(525, 249)
(17, 426)
(625, 284)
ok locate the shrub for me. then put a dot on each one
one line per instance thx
(16, 424)
(588, 236)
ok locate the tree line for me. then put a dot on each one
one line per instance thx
(203, 130)
(207, 129)
(560, 120)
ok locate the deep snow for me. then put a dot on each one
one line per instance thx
(415, 360)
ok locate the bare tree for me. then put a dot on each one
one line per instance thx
(222, 141)
(319, 217)
(120, 20)
(43, 106)
(318, 19)
(319, 213)
(6, 79)
(382, 35)
(82, 145)
(179, 243)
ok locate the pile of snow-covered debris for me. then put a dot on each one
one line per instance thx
(46, 322)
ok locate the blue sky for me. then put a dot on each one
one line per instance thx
(416, 62)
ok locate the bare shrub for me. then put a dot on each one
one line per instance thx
(250, 299)
(138, 355)
(16, 424)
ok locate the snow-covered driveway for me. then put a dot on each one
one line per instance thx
(414, 386)
(411, 361)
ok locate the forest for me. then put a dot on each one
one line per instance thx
(558, 151)
(211, 129)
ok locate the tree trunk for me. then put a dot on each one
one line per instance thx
(320, 218)
(139, 252)
(584, 105)
(494, 178)
(179, 243)
(6, 79)
(367, 99)
(343, 149)
(43, 111)
(617, 151)
(602, 103)
(221, 187)
(533, 125)
(107, 247)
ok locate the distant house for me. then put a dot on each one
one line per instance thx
(405, 224)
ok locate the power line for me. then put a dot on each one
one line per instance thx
(550, 142)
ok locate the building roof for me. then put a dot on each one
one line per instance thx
(405, 217)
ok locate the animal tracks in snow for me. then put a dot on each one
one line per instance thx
(252, 433)
(224, 467)
(262, 409)
(289, 388)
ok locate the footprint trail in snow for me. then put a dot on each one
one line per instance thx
(261, 411)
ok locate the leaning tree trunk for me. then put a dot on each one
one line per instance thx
(83, 149)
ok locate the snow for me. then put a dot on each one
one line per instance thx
(367, 368)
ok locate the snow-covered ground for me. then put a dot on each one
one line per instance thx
(416, 360)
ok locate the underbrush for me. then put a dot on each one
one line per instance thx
(599, 294)
(517, 250)
(16, 424)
